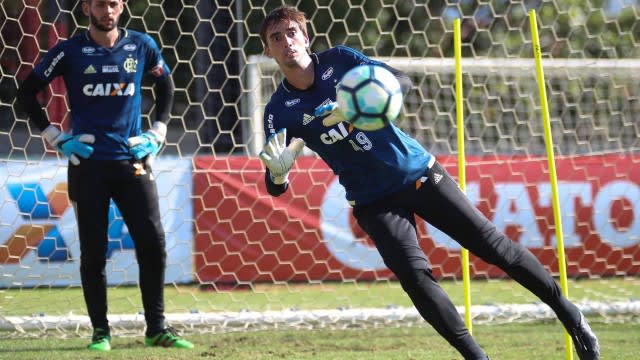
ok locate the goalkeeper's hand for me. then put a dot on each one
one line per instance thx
(147, 144)
(71, 146)
(332, 113)
(278, 157)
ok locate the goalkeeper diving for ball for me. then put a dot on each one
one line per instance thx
(109, 156)
(389, 177)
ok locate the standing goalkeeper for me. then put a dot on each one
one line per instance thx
(109, 155)
(389, 177)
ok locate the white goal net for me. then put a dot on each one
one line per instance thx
(240, 260)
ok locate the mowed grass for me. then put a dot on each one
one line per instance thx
(536, 340)
(268, 297)
(514, 341)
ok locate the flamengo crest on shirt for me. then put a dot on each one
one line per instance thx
(130, 65)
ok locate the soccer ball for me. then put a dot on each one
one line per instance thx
(369, 97)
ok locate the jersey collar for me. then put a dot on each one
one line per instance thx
(288, 87)
(122, 34)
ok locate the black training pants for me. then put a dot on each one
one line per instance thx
(391, 225)
(92, 185)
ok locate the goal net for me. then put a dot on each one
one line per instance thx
(240, 260)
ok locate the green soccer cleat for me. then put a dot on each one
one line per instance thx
(100, 340)
(168, 338)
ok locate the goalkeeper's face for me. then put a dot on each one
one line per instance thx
(287, 44)
(103, 14)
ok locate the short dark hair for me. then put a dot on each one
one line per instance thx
(283, 13)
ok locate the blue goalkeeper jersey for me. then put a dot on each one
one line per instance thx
(369, 164)
(104, 86)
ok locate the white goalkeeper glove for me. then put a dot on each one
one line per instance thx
(332, 112)
(71, 146)
(147, 144)
(278, 157)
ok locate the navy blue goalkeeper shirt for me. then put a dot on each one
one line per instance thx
(369, 164)
(104, 86)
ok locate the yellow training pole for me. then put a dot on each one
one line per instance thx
(461, 167)
(537, 54)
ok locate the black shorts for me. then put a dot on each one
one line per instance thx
(132, 187)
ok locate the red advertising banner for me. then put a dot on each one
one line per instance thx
(242, 234)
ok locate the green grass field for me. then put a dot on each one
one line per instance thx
(516, 341)
(264, 297)
(534, 340)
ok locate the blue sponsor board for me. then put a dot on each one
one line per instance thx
(38, 232)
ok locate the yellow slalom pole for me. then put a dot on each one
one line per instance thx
(537, 54)
(464, 253)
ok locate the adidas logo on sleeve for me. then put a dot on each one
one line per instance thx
(436, 178)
